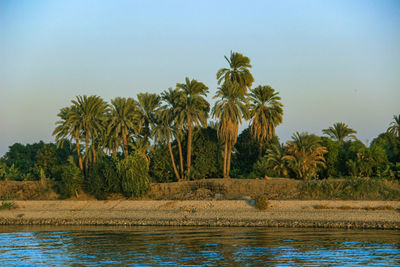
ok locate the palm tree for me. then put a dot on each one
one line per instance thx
(266, 113)
(394, 127)
(305, 154)
(238, 71)
(123, 118)
(274, 157)
(340, 132)
(68, 126)
(147, 106)
(174, 99)
(229, 110)
(91, 112)
(194, 111)
(162, 131)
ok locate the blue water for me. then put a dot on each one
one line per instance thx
(195, 246)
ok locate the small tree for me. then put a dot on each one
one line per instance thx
(134, 173)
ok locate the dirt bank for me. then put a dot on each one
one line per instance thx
(289, 213)
(228, 189)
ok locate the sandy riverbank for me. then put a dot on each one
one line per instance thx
(281, 213)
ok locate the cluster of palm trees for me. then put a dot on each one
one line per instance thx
(304, 154)
(129, 124)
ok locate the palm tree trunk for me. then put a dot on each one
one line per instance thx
(125, 143)
(78, 150)
(260, 149)
(225, 158)
(173, 161)
(114, 151)
(180, 155)
(87, 152)
(229, 161)
(189, 148)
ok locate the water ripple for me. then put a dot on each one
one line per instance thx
(201, 246)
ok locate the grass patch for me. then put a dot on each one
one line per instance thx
(262, 202)
(7, 205)
(9, 196)
(351, 189)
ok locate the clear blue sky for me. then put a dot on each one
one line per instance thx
(331, 61)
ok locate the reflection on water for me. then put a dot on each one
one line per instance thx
(149, 246)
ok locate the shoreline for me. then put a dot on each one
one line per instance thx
(281, 213)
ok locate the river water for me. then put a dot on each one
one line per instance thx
(193, 246)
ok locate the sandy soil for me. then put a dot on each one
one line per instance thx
(288, 213)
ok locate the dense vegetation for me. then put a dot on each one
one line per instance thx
(121, 146)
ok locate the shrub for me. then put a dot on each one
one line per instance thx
(71, 181)
(103, 178)
(7, 205)
(134, 173)
(262, 202)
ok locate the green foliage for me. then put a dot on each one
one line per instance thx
(331, 158)
(134, 173)
(161, 170)
(355, 189)
(263, 168)
(207, 154)
(6, 205)
(103, 178)
(391, 144)
(9, 173)
(305, 155)
(71, 181)
(247, 153)
(22, 156)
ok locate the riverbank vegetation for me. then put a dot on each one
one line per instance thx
(124, 145)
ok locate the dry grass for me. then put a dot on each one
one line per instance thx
(262, 202)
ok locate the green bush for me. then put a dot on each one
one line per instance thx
(95, 181)
(134, 173)
(71, 181)
(161, 169)
(103, 178)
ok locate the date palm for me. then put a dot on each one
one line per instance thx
(274, 157)
(266, 113)
(163, 132)
(238, 71)
(122, 119)
(91, 112)
(305, 154)
(194, 110)
(147, 105)
(69, 126)
(394, 127)
(174, 99)
(340, 132)
(229, 109)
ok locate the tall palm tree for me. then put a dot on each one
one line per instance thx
(162, 131)
(123, 118)
(305, 154)
(266, 113)
(147, 104)
(230, 108)
(67, 126)
(340, 132)
(174, 99)
(195, 110)
(91, 111)
(394, 127)
(238, 71)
